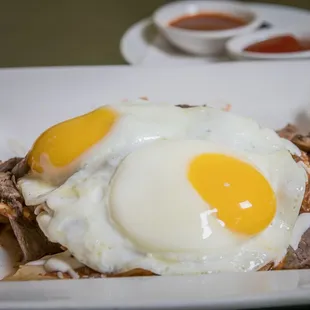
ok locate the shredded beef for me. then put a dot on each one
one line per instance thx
(185, 106)
(9, 195)
(288, 132)
(303, 142)
(20, 169)
(9, 164)
(300, 258)
(305, 206)
(31, 239)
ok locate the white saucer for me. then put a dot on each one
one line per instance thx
(142, 45)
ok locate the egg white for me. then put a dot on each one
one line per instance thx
(81, 221)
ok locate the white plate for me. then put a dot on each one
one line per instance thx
(235, 46)
(33, 99)
(142, 45)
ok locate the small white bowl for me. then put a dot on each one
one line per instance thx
(235, 46)
(203, 42)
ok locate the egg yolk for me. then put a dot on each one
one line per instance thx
(66, 141)
(242, 197)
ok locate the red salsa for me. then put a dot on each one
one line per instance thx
(280, 44)
(208, 21)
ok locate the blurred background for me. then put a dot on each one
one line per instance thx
(73, 32)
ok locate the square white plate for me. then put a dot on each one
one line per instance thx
(33, 99)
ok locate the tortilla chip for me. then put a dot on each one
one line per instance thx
(38, 273)
(29, 273)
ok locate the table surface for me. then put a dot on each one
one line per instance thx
(72, 32)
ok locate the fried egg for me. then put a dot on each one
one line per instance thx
(170, 190)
